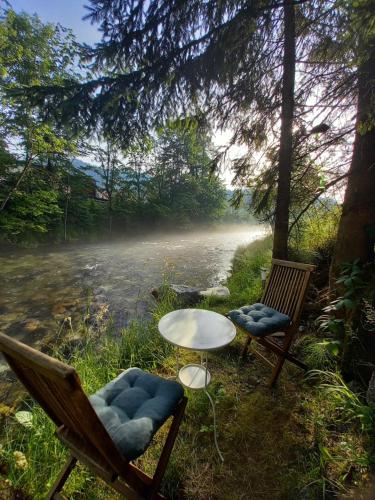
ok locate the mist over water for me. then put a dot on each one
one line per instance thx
(41, 287)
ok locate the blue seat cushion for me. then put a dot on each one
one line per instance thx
(133, 406)
(259, 320)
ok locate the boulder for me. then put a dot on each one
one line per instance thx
(188, 295)
(219, 292)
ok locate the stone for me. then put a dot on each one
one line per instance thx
(186, 294)
(31, 324)
(220, 292)
(58, 309)
(191, 295)
(24, 418)
(62, 307)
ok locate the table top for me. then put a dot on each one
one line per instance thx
(197, 329)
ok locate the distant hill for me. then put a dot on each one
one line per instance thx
(87, 168)
(90, 169)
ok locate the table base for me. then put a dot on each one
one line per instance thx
(194, 376)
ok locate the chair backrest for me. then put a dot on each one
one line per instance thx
(287, 286)
(57, 388)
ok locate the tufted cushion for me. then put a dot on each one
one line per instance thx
(259, 320)
(133, 406)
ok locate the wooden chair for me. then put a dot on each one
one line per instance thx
(57, 388)
(285, 293)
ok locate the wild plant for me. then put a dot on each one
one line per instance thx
(337, 320)
(346, 403)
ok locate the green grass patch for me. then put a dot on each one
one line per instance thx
(290, 442)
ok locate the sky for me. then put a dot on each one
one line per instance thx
(69, 13)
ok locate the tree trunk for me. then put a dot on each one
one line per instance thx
(280, 241)
(355, 238)
(15, 187)
(66, 217)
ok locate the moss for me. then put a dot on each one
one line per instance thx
(261, 446)
(5, 410)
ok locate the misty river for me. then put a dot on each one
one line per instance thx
(39, 288)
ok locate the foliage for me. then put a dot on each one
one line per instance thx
(340, 448)
(337, 321)
(323, 448)
(32, 211)
(45, 197)
(313, 238)
(37, 54)
(221, 63)
(244, 281)
(348, 405)
(319, 354)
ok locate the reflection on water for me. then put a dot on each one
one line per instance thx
(40, 288)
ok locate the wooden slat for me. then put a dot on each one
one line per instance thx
(86, 453)
(57, 388)
(271, 290)
(295, 265)
(285, 291)
(288, 289)
(276, 282)
(261, 357)
(54, 493)
(53, 368)
(291, 293)
(164, 457)
(298, 291)
(301, 298)
(283, 288)
(34, 391)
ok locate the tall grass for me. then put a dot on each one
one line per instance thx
(345, 402)
(342, 425)
(31, 455)
(314, 439)
(244, 282)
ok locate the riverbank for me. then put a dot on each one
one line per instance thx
(42, 287)
(290, 442)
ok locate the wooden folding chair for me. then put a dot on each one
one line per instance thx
(284, 293)
(57, 388)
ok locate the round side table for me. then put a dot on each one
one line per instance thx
(197, 330)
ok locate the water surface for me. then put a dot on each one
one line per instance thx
(39, 288)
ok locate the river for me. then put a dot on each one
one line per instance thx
(39, 288)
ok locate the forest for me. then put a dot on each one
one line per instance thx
(48, 195)
(119, 136)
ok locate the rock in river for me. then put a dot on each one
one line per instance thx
(190, 295)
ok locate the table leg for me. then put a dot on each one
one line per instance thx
(205, 364)
(177, 361)
(215, 434)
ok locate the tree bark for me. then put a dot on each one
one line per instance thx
(66, 217)
(280, 241)
(355, 238)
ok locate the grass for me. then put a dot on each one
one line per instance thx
(292, 442)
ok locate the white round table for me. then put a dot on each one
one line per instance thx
(197, 330)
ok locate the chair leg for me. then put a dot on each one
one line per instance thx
(246, 347)
(167, 449)
(62, 477)
(276, 371)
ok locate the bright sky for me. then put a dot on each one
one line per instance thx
(69, 13)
